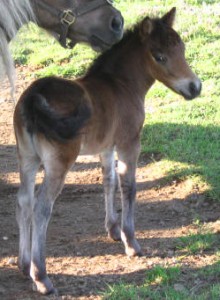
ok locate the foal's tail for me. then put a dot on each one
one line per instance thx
(40, 117)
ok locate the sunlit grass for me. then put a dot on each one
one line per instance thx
(196, 243)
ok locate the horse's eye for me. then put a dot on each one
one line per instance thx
(160, 58)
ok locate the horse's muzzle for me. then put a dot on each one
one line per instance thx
(117, 24)
(194, 90)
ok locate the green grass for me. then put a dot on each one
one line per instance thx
(197, 243)
(186, 135)
(160, 275)
(171, 283)
(33, 47)
(179, 282)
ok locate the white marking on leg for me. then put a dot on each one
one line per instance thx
(25, 199)
(110, 185)
(122, 167)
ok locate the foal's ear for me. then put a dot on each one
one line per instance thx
(169, 17)
(146, 28)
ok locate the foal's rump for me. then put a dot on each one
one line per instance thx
(54, 107)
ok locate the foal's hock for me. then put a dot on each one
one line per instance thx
(56, 120)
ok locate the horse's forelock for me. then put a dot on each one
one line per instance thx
(164, 34)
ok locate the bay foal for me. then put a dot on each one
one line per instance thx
(56, 120)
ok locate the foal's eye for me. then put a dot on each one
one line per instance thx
(160, 58)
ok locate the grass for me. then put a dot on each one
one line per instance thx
(186, 135)
(169, 283)
(203, 241)
(181, 282)
(47, 55)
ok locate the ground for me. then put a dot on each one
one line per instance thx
(81, 260)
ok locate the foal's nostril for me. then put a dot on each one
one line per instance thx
(117, 24)
(194, 89)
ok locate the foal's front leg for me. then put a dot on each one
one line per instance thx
(126, 170)
(110, 181)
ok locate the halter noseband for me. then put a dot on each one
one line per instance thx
(68, 17)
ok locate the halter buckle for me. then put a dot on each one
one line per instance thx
(67, 17)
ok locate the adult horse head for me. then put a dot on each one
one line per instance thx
(94, 22)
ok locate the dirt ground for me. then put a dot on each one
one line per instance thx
(81, 260)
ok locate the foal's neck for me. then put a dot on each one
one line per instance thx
(125, 62)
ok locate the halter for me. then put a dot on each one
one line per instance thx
(68, 17)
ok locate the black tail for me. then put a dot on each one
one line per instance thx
(39, 116)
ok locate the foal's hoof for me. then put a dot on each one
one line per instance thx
(115, 233)
(130, 252)
(45, 287)
(133, 249)
(25, 269)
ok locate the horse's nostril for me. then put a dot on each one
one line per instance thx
(117, 24)
(195, 89)
(192, 88)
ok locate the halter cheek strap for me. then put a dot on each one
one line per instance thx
(68, 17)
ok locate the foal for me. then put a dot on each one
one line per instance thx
(56, 120)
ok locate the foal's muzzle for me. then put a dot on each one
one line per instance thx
(187, 87)
(194, 90)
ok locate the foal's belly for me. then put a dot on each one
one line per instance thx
(93, 148)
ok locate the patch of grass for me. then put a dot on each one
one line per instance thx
(160, 275)
(166, 284)
(210, 271)
(34, 47)
(205, 239)
(196, 243)
(187, 148)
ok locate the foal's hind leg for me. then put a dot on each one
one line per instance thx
(127, 168)
(29, 165)
(55, 172)
(110, 181)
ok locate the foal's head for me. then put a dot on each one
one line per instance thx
(165, 56)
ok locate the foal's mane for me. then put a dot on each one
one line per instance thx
(105, 62)
(111, 59)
